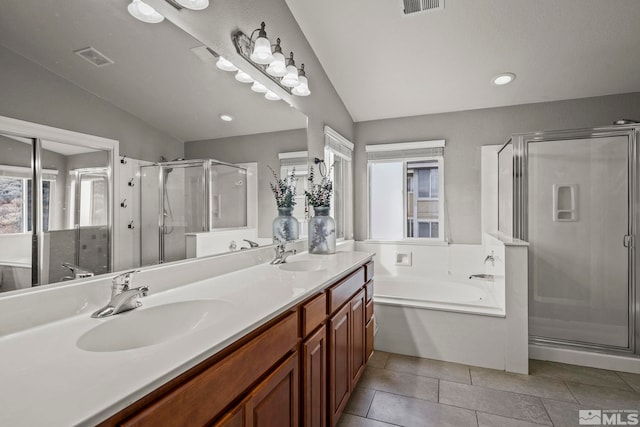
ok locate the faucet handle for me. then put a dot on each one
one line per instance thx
(123, 280)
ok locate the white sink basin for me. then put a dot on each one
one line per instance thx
(303, 265)
(143, 327)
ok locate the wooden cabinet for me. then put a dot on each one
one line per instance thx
(314, 379)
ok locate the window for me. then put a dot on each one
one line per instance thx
(338, 153)
(405, 191)
(15, 199)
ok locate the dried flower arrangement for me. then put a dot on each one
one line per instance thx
(319, 195)
(284, 189)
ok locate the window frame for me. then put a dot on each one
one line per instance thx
(333, 144)
(441, 239)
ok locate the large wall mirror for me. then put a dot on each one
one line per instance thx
(102, 208)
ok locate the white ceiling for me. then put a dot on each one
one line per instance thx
(384, 64)
(155, 77)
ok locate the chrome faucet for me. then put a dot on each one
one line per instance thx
(491, 257)
(123, 297)
(251, 243)
(78, 272)
(282, 254)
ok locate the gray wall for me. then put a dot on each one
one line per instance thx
(465, 132)
(261, 148)
(32, 93)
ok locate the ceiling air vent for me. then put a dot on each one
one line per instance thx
(92, 55)
(415, 6)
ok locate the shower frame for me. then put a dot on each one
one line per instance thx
(206, 185)
(520, 209)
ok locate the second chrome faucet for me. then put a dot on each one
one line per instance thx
(282, 254)
(123, 297)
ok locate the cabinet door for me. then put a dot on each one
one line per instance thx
(369, 343)
(358, 347)
(314, 379)
(339, 361)
(275, 401)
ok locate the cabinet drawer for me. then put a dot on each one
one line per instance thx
(369, 288)
(343, 291)
(368, 311)
(368, 271)
(199, 400)
(313, 313)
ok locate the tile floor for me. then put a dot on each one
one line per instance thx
(399, 390)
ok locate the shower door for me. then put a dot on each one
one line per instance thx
(577, 216)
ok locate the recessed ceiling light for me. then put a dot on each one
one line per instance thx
(503, 79)
(143, 12)
(226, 117)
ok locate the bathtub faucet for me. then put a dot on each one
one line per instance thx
(491, 257)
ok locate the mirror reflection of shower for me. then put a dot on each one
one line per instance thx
(181, 198)
(167, 212)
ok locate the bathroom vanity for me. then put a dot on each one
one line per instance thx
(287, 347)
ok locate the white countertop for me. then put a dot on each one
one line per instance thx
(47, 380)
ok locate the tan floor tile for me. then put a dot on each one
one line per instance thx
(399, 383)
(549, 388)
(429, 368)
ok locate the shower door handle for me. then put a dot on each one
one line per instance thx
(627, 241)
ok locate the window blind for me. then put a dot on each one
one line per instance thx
(338, 144)
(405, 150)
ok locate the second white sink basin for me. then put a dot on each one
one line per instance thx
(143, 327)
(303, 265)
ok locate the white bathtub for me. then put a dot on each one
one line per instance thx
(451, 319)
(449, 294)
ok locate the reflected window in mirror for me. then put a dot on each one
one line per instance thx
(338, 154)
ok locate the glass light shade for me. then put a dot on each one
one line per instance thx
(225, 65)
(262, 51)
(291, 79)
(143, 12)
(303, 87)
(277, 68)
(243, 77)
(271, 96)
(259, 87)
(194, 4)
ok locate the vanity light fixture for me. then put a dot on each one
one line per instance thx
(143, 12)
(503, 79)
(259, 87)
(225, 64)
(193, 4)
(243, 77)
(272, 64)
(226, 117)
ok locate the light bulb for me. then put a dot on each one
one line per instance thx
(271, 96)
(143, 12)
(259, 87)
(243, 77)
(277, 67)
(303, 87)
(291, 78)
(225, 65)
(261, 53)
(194, 4)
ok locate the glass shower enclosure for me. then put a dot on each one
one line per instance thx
(188, 196)
(573, 195)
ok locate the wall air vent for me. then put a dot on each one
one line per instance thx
(94, 56)
(415, 6)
